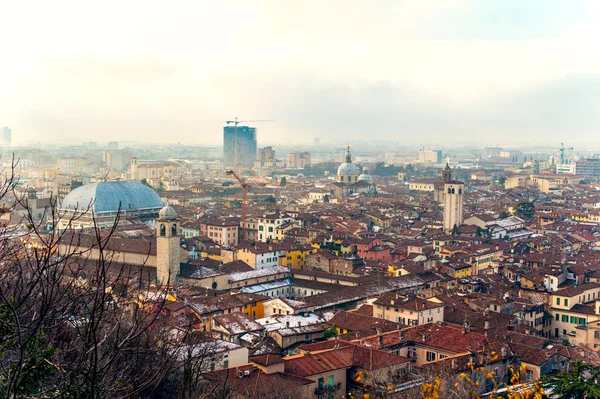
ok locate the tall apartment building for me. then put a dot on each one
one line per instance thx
(588, 168)
(117, 159)
(430, 156)
(5, 137)
(246, 145)
(298, 160)
(266, 154)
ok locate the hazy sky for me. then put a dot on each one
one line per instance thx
(413, 70)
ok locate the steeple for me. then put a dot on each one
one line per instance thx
(348, 156)
(447, 174)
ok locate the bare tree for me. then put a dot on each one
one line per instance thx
(77, 323)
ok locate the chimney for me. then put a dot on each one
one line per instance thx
(466, 327)
(378, 330)
(287, 323)
(486, 325)
(380, 340)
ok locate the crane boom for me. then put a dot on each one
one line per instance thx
(562, 152)
(244, 202)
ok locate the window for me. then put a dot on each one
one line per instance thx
(558, 301)
(529, 375)
(321, 383)
(557, 317)
(307, 337)
(581, 321)
(573, 320)
(430, 356)
(565, 318)
(597, 334)
(566, 302)
(330, 380)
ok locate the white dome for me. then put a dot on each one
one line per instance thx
(348, 168)
(367, 178)
(167, 213)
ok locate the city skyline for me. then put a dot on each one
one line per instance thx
(463, 70)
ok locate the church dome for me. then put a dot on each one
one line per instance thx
(348, 168)
(365, 176)
(167, 213)
(112, 196)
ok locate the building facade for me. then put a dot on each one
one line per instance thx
(298, 160)
(266, 154)
(588, 169)
(245, 146)
(453, 204)
(430, 157)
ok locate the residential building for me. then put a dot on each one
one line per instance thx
(266, 154)
(298, 160)
(267, 226)
(588, 169)
(572, 307)
(147, 170)
(408, 311)
(117, 159)
(430, 157)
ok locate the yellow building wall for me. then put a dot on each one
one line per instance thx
(466, 272)
(259, 309)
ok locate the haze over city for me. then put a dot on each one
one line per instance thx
(498, 72)
(300, 199)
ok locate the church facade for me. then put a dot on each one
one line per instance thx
(350, 179)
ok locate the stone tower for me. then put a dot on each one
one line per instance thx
(453, 204)
(447, 174)
(134, 168)
(167, 246)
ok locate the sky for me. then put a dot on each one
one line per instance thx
(427, 71)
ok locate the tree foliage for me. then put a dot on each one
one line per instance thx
(525, 209)
(73, 325)
(580, 381)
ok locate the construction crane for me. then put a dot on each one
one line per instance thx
(562, 152)
(244, 201)
(235, 140)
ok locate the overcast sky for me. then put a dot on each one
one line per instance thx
(455, 70)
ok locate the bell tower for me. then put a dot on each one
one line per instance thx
(167, 246)
(447, 174)
(453, 205)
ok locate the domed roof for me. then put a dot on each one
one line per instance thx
(110, 196)
(348, 168)
(167, 213)
(365, 176)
